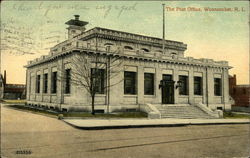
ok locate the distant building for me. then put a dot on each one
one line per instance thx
(1, 86)
(240, 94)
(11, 91)
(14, 91)
(149, 74)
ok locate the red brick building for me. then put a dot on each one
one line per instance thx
(11, 91)
(240, 93)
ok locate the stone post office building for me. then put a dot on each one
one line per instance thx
(151, 75)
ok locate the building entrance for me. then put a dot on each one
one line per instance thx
(167, 89)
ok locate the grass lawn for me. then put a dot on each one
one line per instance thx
(80, 114)
(116, 115)
(13, 101)
(231, 115)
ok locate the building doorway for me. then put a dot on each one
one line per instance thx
(167, 89)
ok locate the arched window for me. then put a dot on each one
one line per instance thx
(108, 46)
(128, 48)
(145, 49)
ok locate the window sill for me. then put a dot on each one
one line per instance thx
(100, 95)
(183, 95)
(149, 96)
(130, 95)
(53, 94)
(218, 96)
(67, 95)
(198, 96)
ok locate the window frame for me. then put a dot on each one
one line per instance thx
(38, 83)
(128, 48)
(45, 83)
(217, 87)
(183, 89)
(130, 76)
(149, 87)
(67, 89)
(54, 82)
(199, 83)
(99, 89)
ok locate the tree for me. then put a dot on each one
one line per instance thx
(93, 71)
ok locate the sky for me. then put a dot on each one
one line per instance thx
(29, 29)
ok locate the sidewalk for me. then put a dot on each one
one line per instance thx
(93, 124)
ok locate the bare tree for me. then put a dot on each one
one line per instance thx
(93, 71)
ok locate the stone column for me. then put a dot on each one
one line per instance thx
(191, 86)
(210, 85)
(176, 78)
(60, 80)
(158, 78)
(204, 88)
(116, 89)
(49, 82)
(225, 88)
(28, 83)
(35, 86)
(140, 85)
(41, 84)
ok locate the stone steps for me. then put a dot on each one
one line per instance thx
(182, 111)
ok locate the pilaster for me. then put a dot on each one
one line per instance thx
(191, 86)
(60, 79)
(210, 85)
(140, 83)
(158, 76)
(49, 82)
(176, 78)
(225, 86)
(116, 88)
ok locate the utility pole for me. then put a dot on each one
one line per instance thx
(163, 32)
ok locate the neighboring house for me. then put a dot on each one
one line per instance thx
(240, 94)
(11, 91)
(149, 73)
(14, 91)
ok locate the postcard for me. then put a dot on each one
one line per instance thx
(130, 79)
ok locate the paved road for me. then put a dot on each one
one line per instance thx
(48, 137)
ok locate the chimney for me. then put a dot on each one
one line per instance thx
(77, 17)
(235, 81)
(76, 26)
(4, 77)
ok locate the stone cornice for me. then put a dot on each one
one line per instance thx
(130, 37)
(201, 63)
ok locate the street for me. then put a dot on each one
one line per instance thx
(25, 134)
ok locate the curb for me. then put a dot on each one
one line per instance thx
(51, 116)
(149, 125)
(125, 126)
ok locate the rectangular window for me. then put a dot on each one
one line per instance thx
(217, 86)
(67, 81)
(148, 83)
(167, 77)
(129, 82)
(97, 76)
(45, 83)
(38, 78)
(197, 85)
(183, 89)
(53, 82)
